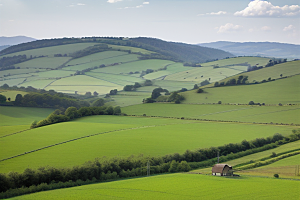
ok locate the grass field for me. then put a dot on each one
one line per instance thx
(12, 82)
(132, 49)
(261, 155)
(108, 61)
(149, 136)
(11, 94)
(285, 91)
(10, 116)
(179, 186)
(274, 72)
(263, 114)
(42, 63)
(39, 84)
(17, 71)
(250, 60)
(139, 66)
(50, 51)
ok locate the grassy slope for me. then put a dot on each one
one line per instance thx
(250, 60)
(280, 91)
(179, 186)
(43, 63)
(159, 137)
(11, 94)
(265, 114)
(50, 51)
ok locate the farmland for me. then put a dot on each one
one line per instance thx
(182, 186)
(215, 119)
(116, 137)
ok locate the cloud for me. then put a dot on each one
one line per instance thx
(266, 28)
(229, 28)
(259, 8)
(113, 1)
(139, 6)
(78, 4)
(215, 13)
(289, 28)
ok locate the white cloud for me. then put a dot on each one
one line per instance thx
(266, 28)
(251, 30)
(289, 28)
(260, 8)
(113, 1)
(229, 28)
(78, 4)
(215, 13)
(139, 6)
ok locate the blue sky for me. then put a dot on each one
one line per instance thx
(189, 21)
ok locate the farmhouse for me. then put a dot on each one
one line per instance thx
(222, 170)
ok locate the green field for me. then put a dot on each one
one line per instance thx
(259, 114)
(179, 186)
(231, 61)
(132, 49)
(274, 72)
(44, 63)
(139, 66)
(285, 91)
(11, 94)
(50, 51)
(128, 136)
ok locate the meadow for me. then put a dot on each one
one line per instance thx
(11, 94)
(179, 186)
(238, 60)
(285, 91)
(121, 136)
(50, 51)
(44, 63)
(242, 113)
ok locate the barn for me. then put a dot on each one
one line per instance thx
(222, 170)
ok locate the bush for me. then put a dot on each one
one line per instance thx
(276, 175)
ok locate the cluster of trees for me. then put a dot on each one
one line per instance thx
(8, 62)
(240, 81)
(157, 97)
(136, 85)
(47, 100)
(90, 50)
(104, 169)
(114, 92)
(275, 62)
(82, 72)
(2, 98)
(253, 68)
(72, 113)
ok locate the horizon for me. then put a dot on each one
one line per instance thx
(191, 22)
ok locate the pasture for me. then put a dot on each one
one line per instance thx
(285, 91)
(139, 66)
(11, 94)
(238, 60)
(50, 51)
(132, 49)
(44, 63)
(250, 114)
(121, 136)
(179, 186)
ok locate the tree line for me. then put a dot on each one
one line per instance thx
(72, 113)
(117, 167)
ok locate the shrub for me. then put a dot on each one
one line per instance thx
(276, 175)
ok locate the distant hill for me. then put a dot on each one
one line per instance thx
(185, 52)
(266, 49)
(15, 40)
(4, 47)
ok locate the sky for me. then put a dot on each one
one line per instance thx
(188, 21)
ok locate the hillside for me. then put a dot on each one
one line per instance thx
(15, 40)
(265, 49)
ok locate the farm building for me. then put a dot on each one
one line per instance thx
(222, 170)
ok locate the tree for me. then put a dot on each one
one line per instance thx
(251, 103)
(113, 92)
(148, 83)
(99, 102)
(200, 90)
(34, 124)
(71, 112)
(206, 82)
(117, 110)
(137, 85)
(2, 98)
(88, 94)
(196, 86)
(5, 86)
(95, 93)
(156, 92)
(216, 84)
(128, 87)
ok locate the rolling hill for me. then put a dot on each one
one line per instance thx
(265, 49)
